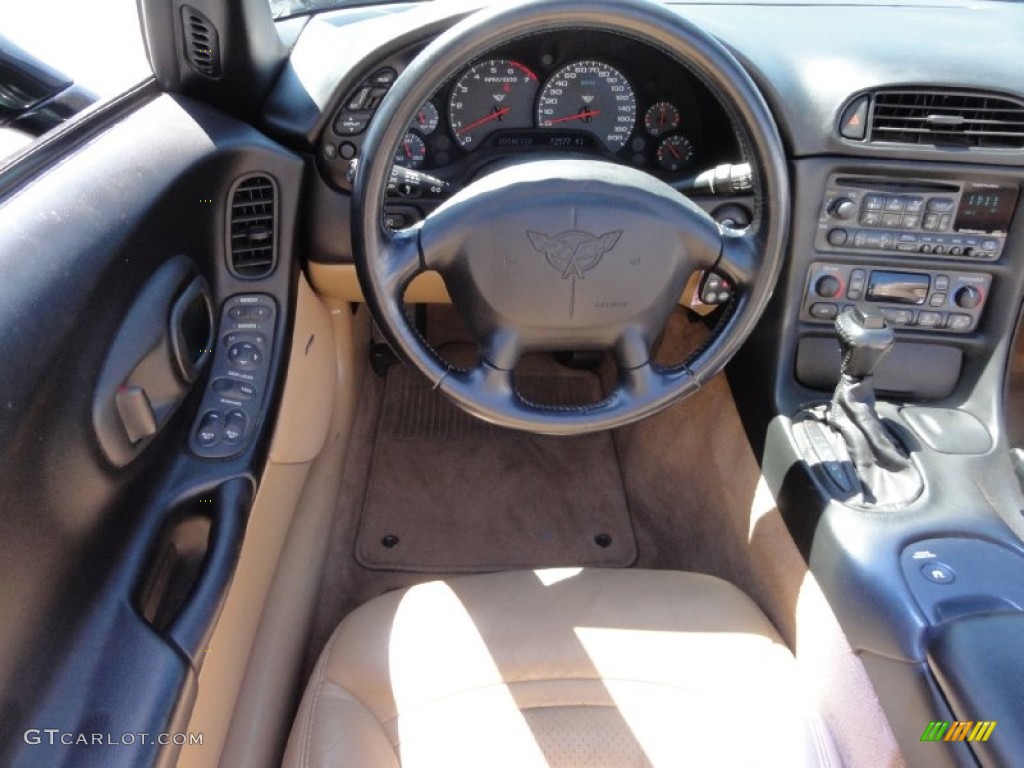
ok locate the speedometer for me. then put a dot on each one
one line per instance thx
(591, 96)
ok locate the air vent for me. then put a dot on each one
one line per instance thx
(252, 227)
(202, 47)
(948, 118)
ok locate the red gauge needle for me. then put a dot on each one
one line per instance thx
(578, 116)
(674, 151)
(405, 146)
(476, 123)
(661, 115)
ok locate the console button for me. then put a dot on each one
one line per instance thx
(989, 245)
(931, 221)
(944, 222)
(239, 313)
(349, 123)
(871, 218)
(911, 220)
(968, 297)
(844, 208)
(898, 316)
(928, 319)
(854, 122)
(824, 311)
(235, 425)
(937, 300)
(891, 220)
(894, 204)
(837, 237)
(384, 77)
(940, 205)
(210, 428)
(874, 202)
(828, 286)
(958, 322)
(939, 249)
(914, 205)
(239, 390)
(245, 355)
(938, 573)
(941, 282)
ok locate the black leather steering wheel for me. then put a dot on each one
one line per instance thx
(570, 253)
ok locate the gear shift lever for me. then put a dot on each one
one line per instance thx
(884, 469)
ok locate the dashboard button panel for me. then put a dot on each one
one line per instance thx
(948, 301)
(235, 395)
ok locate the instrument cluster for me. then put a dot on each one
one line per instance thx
(631, 104)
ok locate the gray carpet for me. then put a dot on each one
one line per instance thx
(449, 493)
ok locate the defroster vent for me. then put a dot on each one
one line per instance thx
(252, 226)
(950, 118)
(202, 44)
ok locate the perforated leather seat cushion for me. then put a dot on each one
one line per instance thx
(565, 668)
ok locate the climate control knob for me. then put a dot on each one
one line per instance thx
(967, 297)
(844, 208)
(828, 286)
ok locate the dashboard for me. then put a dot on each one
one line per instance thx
(589, 93)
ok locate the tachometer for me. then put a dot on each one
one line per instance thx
(591, 96)
(493, 95)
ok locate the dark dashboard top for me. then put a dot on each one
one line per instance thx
(808, 61)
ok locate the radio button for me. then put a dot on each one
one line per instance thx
(894, 204)
(870, 219)
(941, 282)
(939, 249)
(931, 221)
(891, 220)
(911, 221)
(929, 319)
(989, 245)
(940, 205)
(914, 205)
(926, 248)
(874, 202)
(937, 300)
(958, 322)
(956, 250)
(944, 222)
(837, 237)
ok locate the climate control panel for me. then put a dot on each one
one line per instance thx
(237, 386)
(931, 300)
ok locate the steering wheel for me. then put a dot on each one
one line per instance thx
(558, 254)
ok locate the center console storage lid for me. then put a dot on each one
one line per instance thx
(980, 668)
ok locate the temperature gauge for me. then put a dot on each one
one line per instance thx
(411, 152)
(425, 119)
(661, 118)
(674, 152)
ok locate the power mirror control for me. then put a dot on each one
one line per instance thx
(237, 386)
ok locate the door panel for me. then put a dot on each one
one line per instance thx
(113, 566)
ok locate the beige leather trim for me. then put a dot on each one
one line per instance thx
(339, 281)
(301, 427)
(299, 435)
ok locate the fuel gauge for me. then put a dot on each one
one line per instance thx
(675, 152)
(661, 118)
(411, 152)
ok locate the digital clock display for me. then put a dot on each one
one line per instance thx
(986, 210)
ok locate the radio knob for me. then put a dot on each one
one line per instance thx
(828, 286)
(967, 297)
(844, 208)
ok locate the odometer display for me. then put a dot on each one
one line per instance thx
(493, 95)
(591, 96)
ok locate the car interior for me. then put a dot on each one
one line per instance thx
(532, 383)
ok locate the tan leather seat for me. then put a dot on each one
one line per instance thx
(570, 667)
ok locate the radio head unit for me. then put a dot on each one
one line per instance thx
(935, 219)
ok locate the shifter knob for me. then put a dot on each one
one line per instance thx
(864, 340)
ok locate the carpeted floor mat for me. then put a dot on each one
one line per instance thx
(447, 492)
